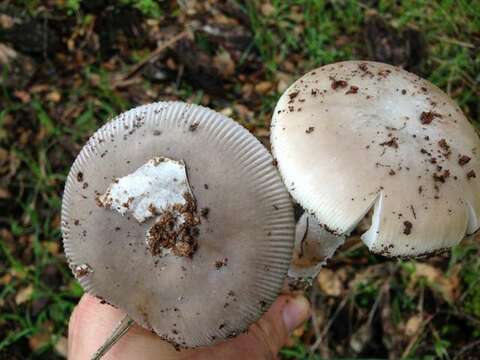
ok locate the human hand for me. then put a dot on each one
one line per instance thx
(91, 323)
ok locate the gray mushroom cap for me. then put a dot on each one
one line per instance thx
(245, 237)
(355, 135)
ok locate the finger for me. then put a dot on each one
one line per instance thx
(266, 337)
(92, 323)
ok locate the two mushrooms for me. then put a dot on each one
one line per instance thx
(179, 216)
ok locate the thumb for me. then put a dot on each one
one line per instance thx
(266, 337)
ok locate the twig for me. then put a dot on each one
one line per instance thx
(156, 53)
(383, 291)
(315, 324)
(456, 42)
(461, 315)
(466, 348)
(319, 340)
(125, 324)
(179, 76)
(416, 336)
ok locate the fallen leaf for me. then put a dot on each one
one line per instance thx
(243, 112)
(38, 340)
(227, 111)
(24, 295)
(23, 96)
(54, 96)
(4, 193)
(52, 247)
(56, 221)
(267, 9)
(41, 338)
(61, 346)
(39, 88)
(3, 155)
(6, 22)
(262, 132)
(247, 89)
(282, 85)
(263, 87)
(447, 286)
(329, 282)
(6, 54)
(224, 63)
(6, 279)
(361, 338)
(413, 325)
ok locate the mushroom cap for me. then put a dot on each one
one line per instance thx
(357, 134)
(249, 231)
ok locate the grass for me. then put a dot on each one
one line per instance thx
(37, 291)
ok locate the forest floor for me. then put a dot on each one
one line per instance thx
(68, 66)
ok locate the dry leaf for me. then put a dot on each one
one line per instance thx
(39, 88)
(6, 54)
(6, 22)
(361, 338)
(267, 9)
(224, 63)
(282, 85)
(448, 287)
(54, 96)
(24, 295)
(38, 340)
(6, 279)
(262, 132)
(413, 325)
(4, 193)
(42, 338)
(329, 282)
(3, 155)
(61, 346)
(247, 89)
(52, 247)
(263, 87)
(56, 221)
(22, 95)
(227, 111)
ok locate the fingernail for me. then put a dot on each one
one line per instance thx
(295, 312)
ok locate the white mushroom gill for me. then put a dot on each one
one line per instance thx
(158, 189)
(153, 187)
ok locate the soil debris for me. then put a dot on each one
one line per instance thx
(175, 230)
(407, 227)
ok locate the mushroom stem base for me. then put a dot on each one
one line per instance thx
(125, 324)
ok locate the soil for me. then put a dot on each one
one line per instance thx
(176, 230)
(406, 48)
(464, 160)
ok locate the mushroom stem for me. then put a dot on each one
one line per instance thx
(125, 324)
(314, 245)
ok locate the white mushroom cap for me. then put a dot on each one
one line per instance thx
(353, 135)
